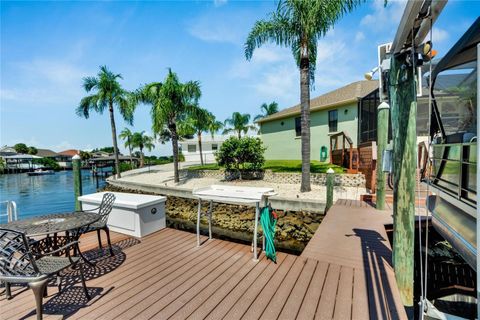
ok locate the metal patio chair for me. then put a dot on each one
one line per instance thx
(104, 210)
(19, 264)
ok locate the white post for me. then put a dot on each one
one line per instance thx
(210, 220)
(198, 221)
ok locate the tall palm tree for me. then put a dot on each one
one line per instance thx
(238, 123)
(142, 141)
(171, 102)
(267, 110)
(108, 93)
(201, 120)
(126, 135)
(299, 24)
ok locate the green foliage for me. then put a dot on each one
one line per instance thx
(85, 155)
(3, 165)
(21, 148)
(47, 163)
(244, 154)
(142, 141)
(267, 110)
(281, 166)
(124, 166)
(32, 150)
(298, 24)
(108, 93)
(296, 166)
(104, 149)
(238, 123)
(126, 135)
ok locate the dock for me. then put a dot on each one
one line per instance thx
(344, 273)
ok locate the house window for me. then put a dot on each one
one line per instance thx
(298, 127)
(214, 147)
(332, 121)
(192, 148)
(367, 118)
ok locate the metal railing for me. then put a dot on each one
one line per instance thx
(11, 211)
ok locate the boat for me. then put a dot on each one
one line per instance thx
(40, 172)
(453, 134)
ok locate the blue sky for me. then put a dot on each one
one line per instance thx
(48, 47)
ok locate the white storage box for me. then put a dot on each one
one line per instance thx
(134, 214)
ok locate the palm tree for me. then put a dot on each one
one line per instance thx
(142, 141)
(201, 120)
(238, 123)
(108, 93)
(267, 109)
(171, 102)
(298, 24)
(126, 135)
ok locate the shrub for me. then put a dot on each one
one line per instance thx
(241, 155)
(124, 166)
(48, 163)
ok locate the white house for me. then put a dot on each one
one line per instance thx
(191, 150)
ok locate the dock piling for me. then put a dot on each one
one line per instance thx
(77, 180)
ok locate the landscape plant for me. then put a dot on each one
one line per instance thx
(241, 155)
(299, 24)
(238, 123)
(142, 141)
(126, 135)
(47, 163)
(171, 102)
(267, 110)
(108, 93)
(21, 148)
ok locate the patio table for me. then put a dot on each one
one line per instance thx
(71, 223)
(233, 195)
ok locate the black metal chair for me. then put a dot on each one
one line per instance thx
(104, 210)
(19, 264)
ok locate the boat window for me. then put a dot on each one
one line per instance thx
(455, 93)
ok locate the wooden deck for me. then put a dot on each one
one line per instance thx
(353, 234)
(165, 276)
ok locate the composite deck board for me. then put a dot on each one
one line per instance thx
(165, 276)
(295, 299)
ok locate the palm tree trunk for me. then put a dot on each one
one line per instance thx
(142, 158)
(305, 121)
(200, 146)
(239, 134)
(173, 131)
(114, 137)
(130, 152)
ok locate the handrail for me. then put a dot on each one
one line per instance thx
(11, 211)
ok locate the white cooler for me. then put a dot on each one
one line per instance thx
(134, 214)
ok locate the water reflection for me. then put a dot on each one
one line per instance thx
(36, 195)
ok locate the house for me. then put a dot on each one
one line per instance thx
(65, 157)
(350, 109)
(7, 151)
(191, 150)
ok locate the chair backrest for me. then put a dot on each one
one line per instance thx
(106, 206)
(16, 259)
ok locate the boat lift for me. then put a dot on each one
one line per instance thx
(232, 195)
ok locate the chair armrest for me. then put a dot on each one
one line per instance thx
(68, 245)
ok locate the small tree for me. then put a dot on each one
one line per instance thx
(21, 148)
(32, 150)
(241, 155)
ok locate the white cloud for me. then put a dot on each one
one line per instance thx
(359, 36)
(263, 57)
(438, 35)
(214, 29)
(280, 83)
(384, 16)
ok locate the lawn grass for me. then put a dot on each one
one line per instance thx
(282, 166)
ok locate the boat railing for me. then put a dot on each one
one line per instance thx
(11, 211)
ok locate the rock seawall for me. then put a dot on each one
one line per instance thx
(236, 222)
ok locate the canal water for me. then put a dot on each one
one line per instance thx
(38, 195)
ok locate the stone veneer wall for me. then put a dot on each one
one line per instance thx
(293, 231)
(344, 179)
